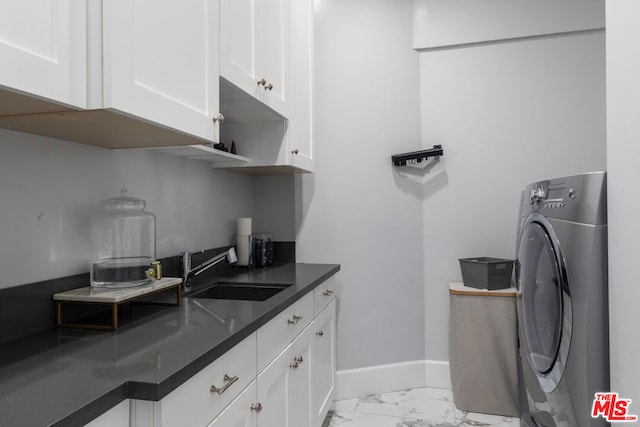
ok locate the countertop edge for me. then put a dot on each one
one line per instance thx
(93, 410)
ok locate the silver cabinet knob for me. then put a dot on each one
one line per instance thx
(218, 118)
(296, 362)
(327, 293)
(262, 82)
(295, 151)
(320, 333)
(256, 407)
(269, 86)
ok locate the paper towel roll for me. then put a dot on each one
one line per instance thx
(244, 248)
(243, 243)
(244, 226)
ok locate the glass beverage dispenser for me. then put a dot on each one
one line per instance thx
(123, 238)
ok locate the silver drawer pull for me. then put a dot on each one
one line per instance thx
(298, 359)
(294, 365)
(228, 381)
(257, 407)
(327, 293)
(320, 333)
(295, 319)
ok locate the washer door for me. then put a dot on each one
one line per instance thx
(546, 305)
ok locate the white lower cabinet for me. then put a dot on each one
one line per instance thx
(299, 390)
(242, 412)
(280, 331)
(118, 416)
(283, 375)
(208, 392)
(323, 358)
(272, 392)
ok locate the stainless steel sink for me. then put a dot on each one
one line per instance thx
(248, 291)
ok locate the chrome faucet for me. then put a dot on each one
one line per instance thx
(188, 272)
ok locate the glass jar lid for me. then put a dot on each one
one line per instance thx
(123, 202)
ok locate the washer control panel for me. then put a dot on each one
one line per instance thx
(580, 198)
(550, 196)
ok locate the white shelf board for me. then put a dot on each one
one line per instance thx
(204, 152)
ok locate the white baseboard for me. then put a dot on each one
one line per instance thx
(396, 376)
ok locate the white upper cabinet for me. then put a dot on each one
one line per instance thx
(273, 144)
(274, 53)
(300, 132)
(142, 73)
(43, 52)
(161, 62)
(161, 73)
(253, 49)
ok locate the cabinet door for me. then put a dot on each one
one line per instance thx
(239, 413)
(300, 132)
(299, 392)
(43, 51)
(253, 48)
(273, 52)
(323, 360)
(161, 62)
(238, 44)
(272, 392)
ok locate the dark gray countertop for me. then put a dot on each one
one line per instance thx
(68, 377)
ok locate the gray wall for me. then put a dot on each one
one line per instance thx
(353, 211)
(623, 152)
(274, 206)
(50, 188)
(506, 112)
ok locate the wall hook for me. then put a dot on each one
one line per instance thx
(415, 157)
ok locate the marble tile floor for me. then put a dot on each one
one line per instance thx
(421, 407)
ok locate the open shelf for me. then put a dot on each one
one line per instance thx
(205, 153)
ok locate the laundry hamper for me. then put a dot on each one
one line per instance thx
(483, 350)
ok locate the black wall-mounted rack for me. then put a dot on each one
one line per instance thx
(417, 156)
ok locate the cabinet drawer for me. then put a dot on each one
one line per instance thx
(242, 412)
(282, 329)
(197, 401)
(323, 294)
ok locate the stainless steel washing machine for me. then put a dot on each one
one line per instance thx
(561, 276)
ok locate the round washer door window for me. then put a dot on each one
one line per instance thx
(542, 285)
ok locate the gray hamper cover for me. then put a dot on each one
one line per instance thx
(483, 351)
